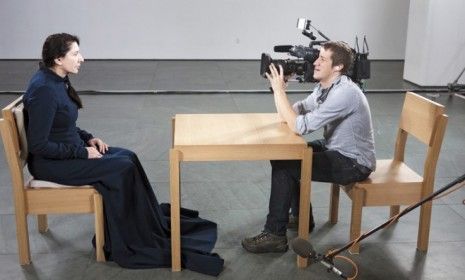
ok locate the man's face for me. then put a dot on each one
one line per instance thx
(324, 68)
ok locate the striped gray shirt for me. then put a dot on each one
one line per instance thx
(344, 113)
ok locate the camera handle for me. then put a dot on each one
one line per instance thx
(313, 43)
(308, 34)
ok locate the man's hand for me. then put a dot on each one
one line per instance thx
(98, 144)
(277, 79)
(278, 83)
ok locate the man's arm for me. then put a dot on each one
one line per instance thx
(282, 104)
(340, 103)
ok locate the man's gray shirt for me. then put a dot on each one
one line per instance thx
(345, 116)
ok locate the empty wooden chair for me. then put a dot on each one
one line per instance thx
(41, 197)
(394, 183)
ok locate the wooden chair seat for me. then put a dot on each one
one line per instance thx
(392, 183)
(41, 184)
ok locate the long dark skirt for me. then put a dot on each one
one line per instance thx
(137, 227)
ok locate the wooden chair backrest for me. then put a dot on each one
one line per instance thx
(8, 113)
(419, 117)
(15, 149)
(425, 120)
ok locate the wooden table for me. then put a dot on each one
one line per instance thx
(221, 137)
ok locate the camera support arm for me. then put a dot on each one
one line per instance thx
(321, 33)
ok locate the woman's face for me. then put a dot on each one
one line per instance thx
(71, 62)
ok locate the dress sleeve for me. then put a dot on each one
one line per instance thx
(42, 106)
(84, 135)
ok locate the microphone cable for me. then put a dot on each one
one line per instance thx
(351, 262)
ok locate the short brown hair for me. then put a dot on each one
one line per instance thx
(341, 54)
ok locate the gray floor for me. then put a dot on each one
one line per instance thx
(234, 194)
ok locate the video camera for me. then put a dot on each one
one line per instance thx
(303, 67)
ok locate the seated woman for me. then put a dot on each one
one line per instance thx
(137, 228)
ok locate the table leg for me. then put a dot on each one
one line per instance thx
(175, 196)
(304, 210)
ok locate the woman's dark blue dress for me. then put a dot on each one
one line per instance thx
(137, 227)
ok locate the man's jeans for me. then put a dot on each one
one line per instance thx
(327, 166)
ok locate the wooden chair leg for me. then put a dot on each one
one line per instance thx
(22, 236)
(42, 223)
(99, 231)
(304, 201)
(395, 209)
(175, 196)
(424, 227)
(334, 204)
(356, 218)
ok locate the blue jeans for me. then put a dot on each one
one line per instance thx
(327, 166)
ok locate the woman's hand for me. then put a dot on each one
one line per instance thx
(98, 144)
(93, 153)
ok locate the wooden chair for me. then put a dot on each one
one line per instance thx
(42, 197)
(394, 183)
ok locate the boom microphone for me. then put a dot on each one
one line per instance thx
(283, 48)
(304, 249)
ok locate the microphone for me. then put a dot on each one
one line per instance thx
(283, 48)
(304, 249)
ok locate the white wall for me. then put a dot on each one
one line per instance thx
(197, 29)
(435, 51)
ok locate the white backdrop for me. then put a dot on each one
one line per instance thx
(435, 52)
(197, 29)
